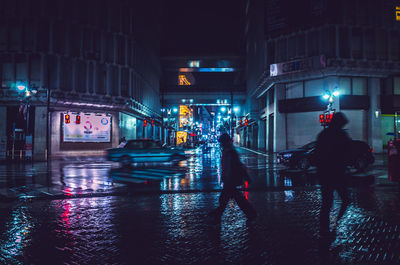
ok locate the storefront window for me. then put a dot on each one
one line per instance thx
(344, 86)
(314, 88)
(359, 86)
(294, 90)
(396, 85)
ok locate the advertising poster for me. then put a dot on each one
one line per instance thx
(87, 127)
(181, 137)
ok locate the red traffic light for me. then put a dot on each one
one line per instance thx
(67, 119)
(145, 123)
(152, 123)
(78, 119)
(246, 122)
(321, 118)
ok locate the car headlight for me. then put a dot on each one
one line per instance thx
(287, 155)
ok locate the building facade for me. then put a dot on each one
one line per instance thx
(76, 76)
(297, 52)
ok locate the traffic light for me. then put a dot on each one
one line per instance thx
(321, 118)
(240, 122)
(246, 122)
(145, 123)
(152, 123)
(67, 118)
(78, 119)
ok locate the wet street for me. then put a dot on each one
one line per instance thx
(90, 211)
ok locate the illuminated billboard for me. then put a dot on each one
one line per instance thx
(181, 137)
(87, 127)
(185, 116)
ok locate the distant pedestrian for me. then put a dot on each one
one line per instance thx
(233, 174)
(332, 148)
(122, 142)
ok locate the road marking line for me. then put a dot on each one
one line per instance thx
(259, 153)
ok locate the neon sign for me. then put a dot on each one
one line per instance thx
(183, 80)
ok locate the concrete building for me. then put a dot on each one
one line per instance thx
(297, 51)
(95, 69)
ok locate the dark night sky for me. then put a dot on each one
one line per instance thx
(202, 27)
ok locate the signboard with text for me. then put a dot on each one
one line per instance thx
(312, 63)
(87, 127)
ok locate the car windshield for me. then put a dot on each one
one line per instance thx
(308, 146)
(142, 145)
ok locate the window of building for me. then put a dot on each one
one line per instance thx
(14, 35)
(21, 67)
(395, 46)
(125, 82)
(271, 53)
(396, 85)
(42, 37)
(328, 40)
(271, 95)
(344, 44)
(314, 88)
(28, 34)
(282, 50)
(34, 69)
(382, 44)
(66, 74)
(90, 83)
(370, 44)
(80, 77)
(356, 43)
(345, 85)
(52, 66)
(7, 71)
(75, 41)
(301, 45)
(59, 35)
(359, 86)
(294, 90)
(292, 47)
(313, 43)
(109, 47)
(101, 79)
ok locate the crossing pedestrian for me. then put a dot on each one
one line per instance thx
(332, 148)
(233, 174)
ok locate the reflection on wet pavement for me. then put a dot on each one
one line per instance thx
(94, 176)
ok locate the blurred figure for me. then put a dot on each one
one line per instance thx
(233, 174)
(332, 147)
(122, 142)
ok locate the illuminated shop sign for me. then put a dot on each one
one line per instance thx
(397, 13)
(214, 69)
(185, 116)
(312, 63)
(183, 80)
(87, 127)
(181, 137)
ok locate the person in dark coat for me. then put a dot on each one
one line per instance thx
(233, 174)
(333, 145)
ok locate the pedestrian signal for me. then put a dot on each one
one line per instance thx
(145, 123)
(78, 119)
(152, 123)
(246, 122)
(67, 119)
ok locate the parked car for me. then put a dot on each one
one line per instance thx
(302, 158)
(144, 151)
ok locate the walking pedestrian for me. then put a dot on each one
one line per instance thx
(233, 174)
(332, 148)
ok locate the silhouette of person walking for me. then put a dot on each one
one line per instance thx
(233, 174)
(333, 145)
